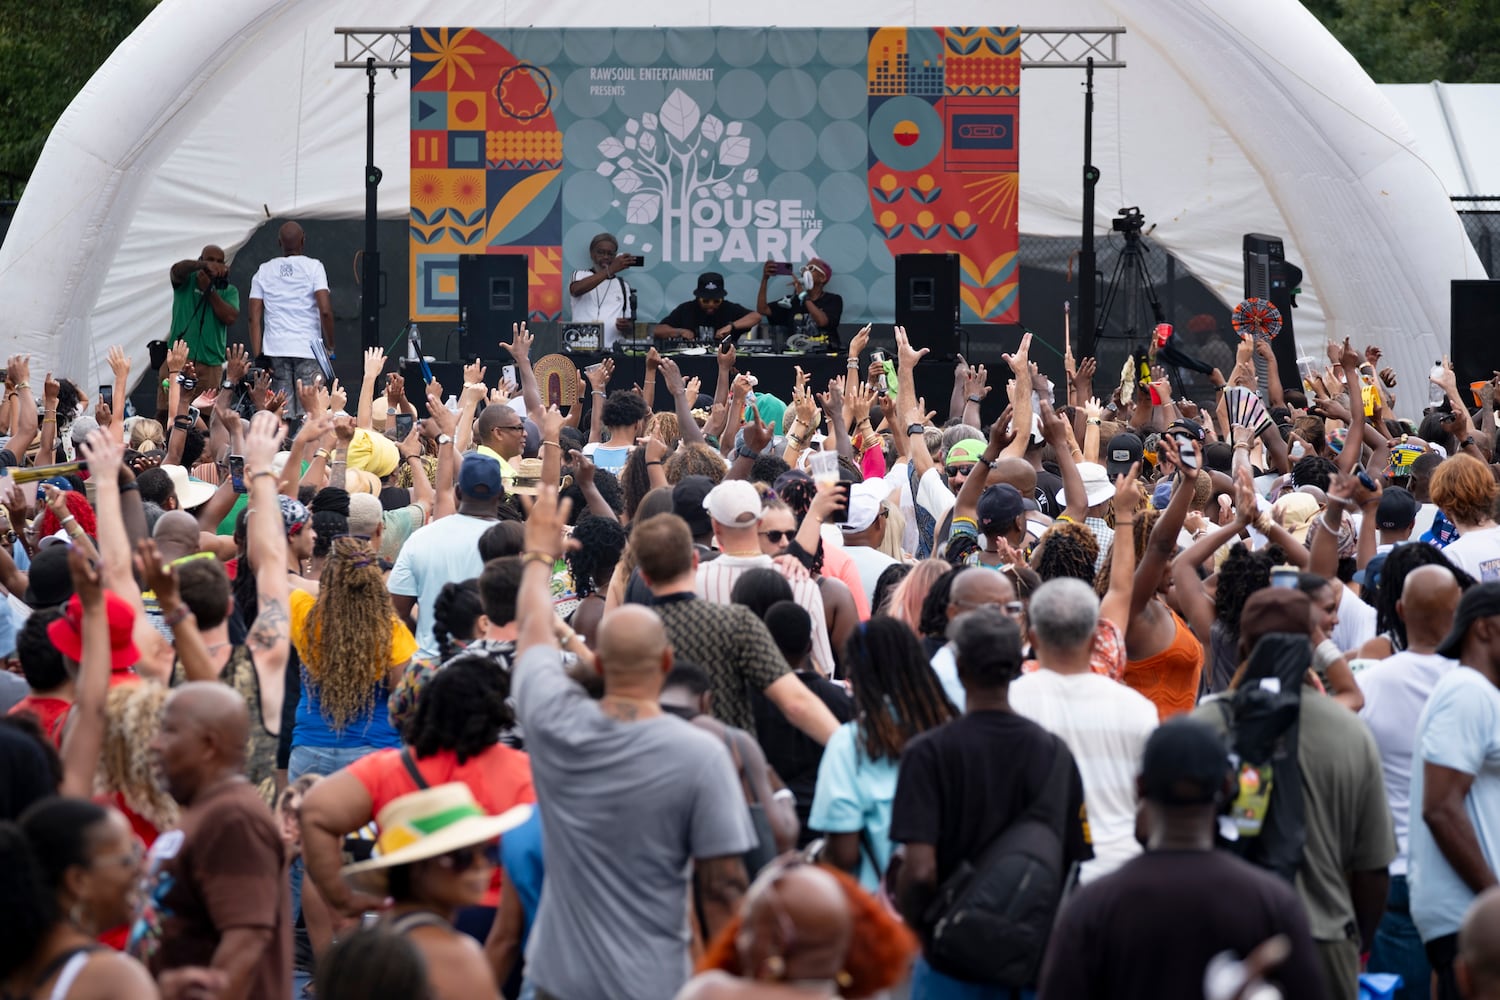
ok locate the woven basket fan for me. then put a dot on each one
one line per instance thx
(557, 380)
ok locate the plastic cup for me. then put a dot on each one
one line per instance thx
(823, 466)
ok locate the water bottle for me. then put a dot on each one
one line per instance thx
(1435, 393)
(413, 341)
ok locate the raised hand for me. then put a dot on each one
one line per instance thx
(307, 394)
(262, 441)
(860, 341)
(338, 399)
(177, 357)
(56, 502)
(374, 362)
(1348, 357)
(343, 430)
(552, 422)
(236, 364)
(88, 578)
(672, 376)
(119, 364)
(653, 359)
(692, 388)
(757, 432)
(600, 375)
(474, 372)
(104, 454)
(156, 574)
(1093, 409)
(1128, 493)
(520, 343)
(584, 468)
(976, 382)
(907, 356)
(1020, 362)
(547, 523)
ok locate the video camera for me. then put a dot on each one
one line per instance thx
(1128, 220)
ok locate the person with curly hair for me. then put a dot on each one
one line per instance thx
(1465, 491)
(1241, 574)
(1068, 549)
(695, 459)
(624, 415)
(896, 696)
(126, 778)
(353, 649)
(453, 735)
(805, 924)
(592, 564)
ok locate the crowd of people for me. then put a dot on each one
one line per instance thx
(830, 695)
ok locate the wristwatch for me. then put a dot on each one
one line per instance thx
(226, 384)
(444, 439)
(745, 451)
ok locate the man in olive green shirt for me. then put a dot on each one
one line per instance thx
(204, 306)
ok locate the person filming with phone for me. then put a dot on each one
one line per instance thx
(707, 315)
(808, 309)
(204, 306)
(599, 294)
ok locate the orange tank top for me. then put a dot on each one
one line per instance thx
(1170, 678)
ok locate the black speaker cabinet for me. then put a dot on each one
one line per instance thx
(1474, 329)
(927, 300)
(492, 296)
(1268, 275)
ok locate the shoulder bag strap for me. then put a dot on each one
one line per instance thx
(411, 768)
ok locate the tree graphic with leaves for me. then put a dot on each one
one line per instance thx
(664, 161)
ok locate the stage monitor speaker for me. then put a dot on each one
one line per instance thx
(927, 300)
(1268, 275)
(492, 296)
(1473, 324)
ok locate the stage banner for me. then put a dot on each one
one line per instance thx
(716, 149)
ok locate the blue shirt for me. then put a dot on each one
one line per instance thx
(854, 795)
(521, 857)
(1459, 729)
(374, 729)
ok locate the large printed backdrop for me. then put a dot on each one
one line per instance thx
(716, 149)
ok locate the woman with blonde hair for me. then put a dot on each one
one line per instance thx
(353, 650)
(147, 435)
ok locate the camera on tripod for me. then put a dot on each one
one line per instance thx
(1128, 221)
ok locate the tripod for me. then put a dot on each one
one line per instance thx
(1130, 274)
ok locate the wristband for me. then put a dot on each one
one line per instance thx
(913, 429)
(853, 363)
(542, 558)
(64, 522)
(1327, 654)
(976, 399)
(176, 616)
(784, 794)
(132, 485)
(263, 472)
(654, 462)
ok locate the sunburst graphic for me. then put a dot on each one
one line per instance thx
(427, 189)
(995, 197)
(447, 54)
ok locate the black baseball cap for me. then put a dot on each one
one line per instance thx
(1124, 450)
(1185, 764)
(998, 508)
(1479, 601)
(49, 581)
(687, 503)
(1398, 509)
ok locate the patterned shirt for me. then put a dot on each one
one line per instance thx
(732, 646)
(716, 580)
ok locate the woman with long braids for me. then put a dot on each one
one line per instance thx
(896, 696)
(1390, 630)
(68, 869)
(353, 650)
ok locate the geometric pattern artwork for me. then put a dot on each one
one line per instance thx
(716, 149)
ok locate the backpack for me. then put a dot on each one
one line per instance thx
(1268, 814)
(991, 919)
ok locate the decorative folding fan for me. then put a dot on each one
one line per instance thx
(1257, 318)
(1246, 409)
(557, 380)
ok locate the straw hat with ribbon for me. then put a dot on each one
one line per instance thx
(428, 824)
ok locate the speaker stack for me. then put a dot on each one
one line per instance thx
(492, 296)
(1268, 275)
(927, 300)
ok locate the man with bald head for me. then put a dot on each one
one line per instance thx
(973, 588)
(204, 306)
(628, 795)
(1396, 690)
(217, 894)
(1477, 968)
(289, 311)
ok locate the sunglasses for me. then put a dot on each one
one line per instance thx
(464, 858)
(776, 537)
(958, 470)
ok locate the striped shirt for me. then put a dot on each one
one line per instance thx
(716, 580)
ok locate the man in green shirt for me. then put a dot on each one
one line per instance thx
(204, 305)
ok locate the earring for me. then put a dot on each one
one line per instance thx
(844, 979)
(75, 915)
(775, 967)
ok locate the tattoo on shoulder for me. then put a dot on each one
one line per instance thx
(272, 625)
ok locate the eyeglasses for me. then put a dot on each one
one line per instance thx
(1011, 608)
(511, 427)
(776, 537)
(464, 858)
(130, 859)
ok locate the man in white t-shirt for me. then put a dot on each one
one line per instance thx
(600, 295)
(864, 529)
(1104, 723)
(289, 312)
(1396, 690)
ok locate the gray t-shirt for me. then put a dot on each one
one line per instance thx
(625, 807)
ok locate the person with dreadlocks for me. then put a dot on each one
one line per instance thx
(1390, 636)
(1068, 549)
(592, 564)
(354, 649)
(896, 697)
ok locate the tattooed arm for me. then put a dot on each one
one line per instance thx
(269, 638)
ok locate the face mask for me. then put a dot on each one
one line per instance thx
(807, 278)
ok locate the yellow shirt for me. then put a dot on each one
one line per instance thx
(403, 644)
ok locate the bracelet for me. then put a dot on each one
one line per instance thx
(852, 363)
(263, 472)
(1242, 444)
(64, 522)
(176, 616)
(321, 453)
(976, 399)
(1327, 654)
(784, 794)
(1124, 524)
(1094, 421)
(654, 462)
(601, 392)
(541, 558)
(552, 443)
(21, 385)
(132, 485)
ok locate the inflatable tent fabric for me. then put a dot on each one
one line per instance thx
(1241, 116)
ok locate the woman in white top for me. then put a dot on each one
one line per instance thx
(600, 295)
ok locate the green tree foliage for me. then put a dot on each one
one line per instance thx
(1417, 41)
(48, 51)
